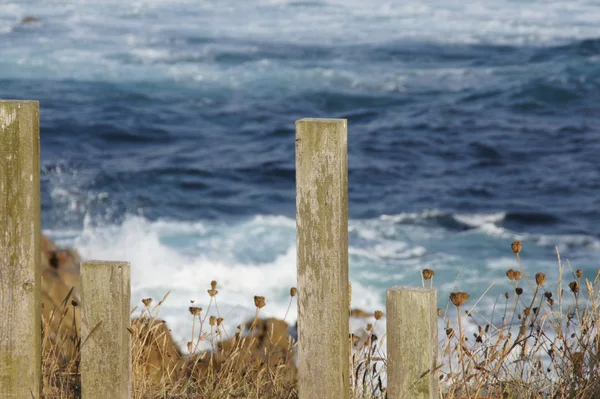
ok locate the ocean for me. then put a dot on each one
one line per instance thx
(167, 139)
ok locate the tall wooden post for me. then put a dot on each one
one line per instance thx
(412, 343)
(20, 306)
(106, 349)
(322, 241)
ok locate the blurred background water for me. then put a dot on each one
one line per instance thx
(167, 136)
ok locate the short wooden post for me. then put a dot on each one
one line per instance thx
(20, 306)
(105, 313)
(322, 241)
(412, 343)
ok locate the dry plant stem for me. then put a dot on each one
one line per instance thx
(462, 353)
(523, 272)
(288, 308)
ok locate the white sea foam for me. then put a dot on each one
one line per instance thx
(156, 34)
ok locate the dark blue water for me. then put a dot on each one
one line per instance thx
(170, 130)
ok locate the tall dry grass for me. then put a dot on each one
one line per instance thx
(545, 345)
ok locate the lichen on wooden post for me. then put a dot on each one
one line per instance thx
(322, 242)
(20, 334)
(106, 343)
(412, 343)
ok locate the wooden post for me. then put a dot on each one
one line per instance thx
(20, 306)
(106, 342)
(322, 241)
(412, 343)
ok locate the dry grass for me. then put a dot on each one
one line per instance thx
(545, 345)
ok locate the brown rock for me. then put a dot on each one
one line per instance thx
(154, 351)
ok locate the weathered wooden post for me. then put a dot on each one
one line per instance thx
(20, 306)
(322, 241)
(105, 322)
(412, 343)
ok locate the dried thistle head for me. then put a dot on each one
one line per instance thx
(510, 273)
(550, 302)
(147, 302)
(219, 321)
(516, 247)
(212, 320)
(579, 273)
(517, 275)
(369, 327)
(293, 291)
(428, 274)
(506, 295)
(259, 301)
(439, 312)
(212, 292)
(540, 278)
(190, 346)
(194, 310)
(213, 284)
(449, 332)
(378, 314)
(518, 290)
(574, 286)
(459, 298)
(548, 294)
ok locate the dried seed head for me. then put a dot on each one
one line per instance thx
(517, 275)
(536, 310)
(449, 332)
(147, 302)
(212, 292)
(219, 321)
(259, 301)
(195, 311)
(540, 278)
(369, 327)
(293, 291)
(550, 302)
(506, 295)
(189, 346)
(548, 294)
(510, 273)
(213, 284)
(574, 286)
(527, 311)
(439, 312)
(579, 273)
(518, 290)
(74, 303)
(378, 314)
(459, 298)
(428, 274)
(516, 247)
(212, 320)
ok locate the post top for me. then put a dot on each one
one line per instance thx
(19, 101)
(322, 120)
(410, 289)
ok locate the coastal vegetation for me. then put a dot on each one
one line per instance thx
(541, 341)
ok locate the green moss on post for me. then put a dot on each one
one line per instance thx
(412, 343)
(105, 320)
(322, 241)
(20, 306)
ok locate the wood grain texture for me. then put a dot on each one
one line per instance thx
(322, 260)
(106, 349)
(412, 343)
(20, 306)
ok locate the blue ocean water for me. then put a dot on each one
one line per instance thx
(167, 136)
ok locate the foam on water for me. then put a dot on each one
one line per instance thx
(156, 40)
(257, 256)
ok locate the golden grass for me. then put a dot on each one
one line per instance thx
(546, 345)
